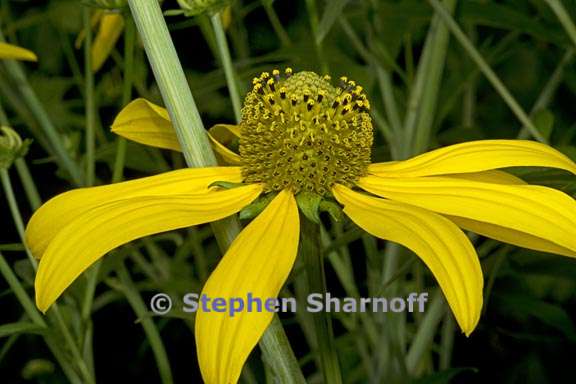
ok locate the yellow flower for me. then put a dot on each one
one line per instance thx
(110, 26)
(300, 133)
(9, 51)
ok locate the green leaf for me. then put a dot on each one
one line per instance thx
(544, 121)
(19, 327)
(550, 314)
(332, 10)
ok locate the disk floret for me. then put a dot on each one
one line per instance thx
(302, 133)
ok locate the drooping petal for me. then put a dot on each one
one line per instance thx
(149, 124)
(221, 135)
(476, 156)
(9, 51)
(59, 211)
(510, 236)
(539, 212)
(146, 123)
(101, 229)
(438, 242)
(257, 263)
(109, 30)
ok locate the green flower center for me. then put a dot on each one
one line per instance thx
(302, 133)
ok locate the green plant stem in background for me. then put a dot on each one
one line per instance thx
(186, 121)
(129, 44)
(419, 134)
(12, 203)
(276, 24)
(225, 58)
(425, 334)
(549, 89)
(18, 76)
(564, 18)
(141, 310)
(485, 68)
(90, 106)
(311, 252)
(314, 26)
(273, 345)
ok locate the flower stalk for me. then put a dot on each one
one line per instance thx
(310, 249)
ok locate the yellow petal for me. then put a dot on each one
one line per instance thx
(109, 30)
(56, 213)
(222, 135)
(540, 212)
(9, 51)
(476, 156)
(507, 235)
(437, 241)
(101, 229)
(258, 262)
(493, 176)
(146, 123)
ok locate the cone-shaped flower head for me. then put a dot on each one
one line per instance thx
(299, 132)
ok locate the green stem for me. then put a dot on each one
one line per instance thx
(486, 69)
(129, 43)
(274, 345)
(229, 71)
(140, 309)
(28, 183)
(549, 89)
(15, 211)
(564, 17)
(15, 70)
(90, 107)
(20, 292)
(185, 117)
(433, 77)
(311, 250)
(426, 332)
(276, 24)
(314, 26)
(424, 92)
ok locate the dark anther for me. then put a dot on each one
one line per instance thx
(294, 101)
(320, 97)
(335, 104)
(309, 106)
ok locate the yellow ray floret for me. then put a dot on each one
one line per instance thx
(476, 156)
(9, 51)
(438, 242)
(147, 123)
(258, 262)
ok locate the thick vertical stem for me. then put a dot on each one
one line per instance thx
(311, 250)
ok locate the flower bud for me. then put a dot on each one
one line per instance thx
(12, 147)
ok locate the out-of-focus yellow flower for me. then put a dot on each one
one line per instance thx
(299, 133)
(9, 51)
(110, 25)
